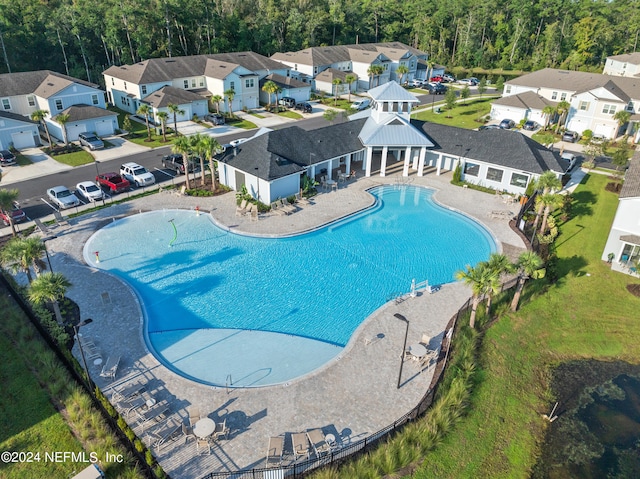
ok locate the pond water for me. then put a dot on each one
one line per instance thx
(597, 433)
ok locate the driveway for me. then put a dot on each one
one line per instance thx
(120, 148)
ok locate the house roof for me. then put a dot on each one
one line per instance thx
(627, 57)
(218, 69)
(168, 94)
(14, 116)
(280, 153)
(326, 55)
(391, 91)
(156, 70)
(527, 100)
(392, 131)
(86, 112)
(631, 185)
(43, 83)
(331, 74)
(284, 82)
(500, 147)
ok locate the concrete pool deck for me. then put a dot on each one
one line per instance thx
(352, 397)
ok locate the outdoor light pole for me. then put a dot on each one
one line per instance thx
(48, 258)
(76, 327)
(404, 347)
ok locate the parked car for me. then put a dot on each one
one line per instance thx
(570, 136)
(416, 82)
(530, 125)
(571, 158)
(436, 79)
(237, 142)
(16, 215)
(468, 81)
(436, 88)
(62, 197)
(287, 101)
(7, 158)
(113, 182)
(597, 138)
(448, 78)
(89, 191)
(214, 118)
(304, 107)
(175, 162)
(137, 174)
(91, 141)
(507, 124)
(490, 127)
(361, 104)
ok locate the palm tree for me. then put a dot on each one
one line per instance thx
(270, 87)
(377, 71)
(163, 116)
(230, 94)
(216, 99)
(145, 110)
(175, 110)
(336, 84)
(39, 116)
(350, 78)
(402, 70)
(476, 278)
(562, 109)
(490, 284)
(528, 263)
(197, 148)
(182, 145)
(209, 147)
(7, 199)
(21, 254)
(430, 65)
(63, 119)
(497, 265)
(547, 111)
(550, 201)
(49, 288)
(547, 183)
(622, 117)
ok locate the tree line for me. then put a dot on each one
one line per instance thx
(83, 37)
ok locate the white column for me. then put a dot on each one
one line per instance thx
(415, 162)
(439, 164)
(348, 164)
(407, 159)
(368, 161)
(383, 162)
(423, 152)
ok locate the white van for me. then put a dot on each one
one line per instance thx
(361, 104)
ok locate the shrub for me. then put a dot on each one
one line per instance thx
(148, 457)
(587, 135)
(457, 175)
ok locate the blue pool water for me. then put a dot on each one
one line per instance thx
(222, 307)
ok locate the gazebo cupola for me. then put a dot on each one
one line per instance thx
(391, 99)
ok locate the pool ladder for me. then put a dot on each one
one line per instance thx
(228, 382)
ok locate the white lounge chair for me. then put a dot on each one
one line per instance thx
(110, 368)
(277, 210)
(155, 412)
(164, 434)
(127, 406)
(318, 442)
(242, 209)
(300, 444)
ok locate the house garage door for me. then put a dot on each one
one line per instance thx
(23, 140)
(74, 130)
(104, 127)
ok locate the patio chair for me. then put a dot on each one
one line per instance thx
(277, 210)
(318, 442)
(203, 444)
(155, 412)
(300, 444)
(301, 200)
(242, 209)
(274, 452)
(129, 405)
(110, 368)
(254, 213)
(187, 432)
(194, 415)
(44, 229)
(426, 339)
(286, 206)
(60, 220)
(128, 392)
(221, 430)
(164, 434)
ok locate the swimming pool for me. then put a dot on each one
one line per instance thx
(221, 307)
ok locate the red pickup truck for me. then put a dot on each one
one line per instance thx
(113, 182)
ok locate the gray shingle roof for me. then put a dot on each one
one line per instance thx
(284, 152)
(526, 100)
(16, 117)
(43, 83)
(283, 81)
(631, 186)
(331, 74)
(166, 69)
(627, 57)
(500, 147)
(168, 94)
(86, 112)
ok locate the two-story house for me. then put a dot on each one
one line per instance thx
(25, 92)
(357, 59)
(625, 65)
(189, 82)
(593, 100)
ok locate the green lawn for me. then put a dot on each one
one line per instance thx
(22, 160)
(28, 420)
(587, 314)
(290, 114)
(77, 158)
(244, 124)
(462, 116)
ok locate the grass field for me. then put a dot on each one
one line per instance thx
(462, 116)
(587, 314)
(75, 159)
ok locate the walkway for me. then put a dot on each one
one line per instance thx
(353, 396)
